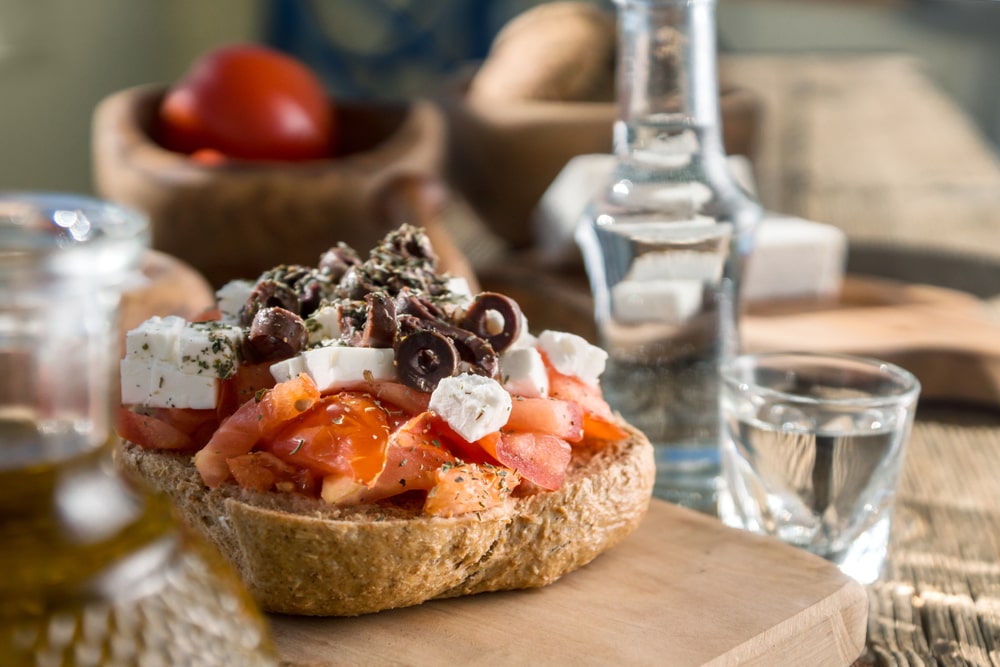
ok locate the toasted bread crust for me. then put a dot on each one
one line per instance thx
(301, 556)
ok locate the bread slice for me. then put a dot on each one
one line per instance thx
(302, 556)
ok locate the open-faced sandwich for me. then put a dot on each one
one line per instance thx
(367, 434)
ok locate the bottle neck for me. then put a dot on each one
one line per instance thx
(668, 98)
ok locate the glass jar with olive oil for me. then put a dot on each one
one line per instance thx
(92, 570)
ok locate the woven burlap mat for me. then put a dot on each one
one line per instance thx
(938, 601)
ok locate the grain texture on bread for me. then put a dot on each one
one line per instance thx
(302, 556)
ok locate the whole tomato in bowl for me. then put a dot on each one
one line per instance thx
(247, 101)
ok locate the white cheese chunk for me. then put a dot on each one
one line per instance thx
(156, 338)
(209, 348)
(323, 324)
(459, 290)
(573, 355)
(231, 298)
(473, 405)
(523, 372)
(192, 348)
(160, 384)
(338, 367)
(524, 337)
(667, 301)
(795, 258)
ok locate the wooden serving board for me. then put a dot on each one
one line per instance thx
(947, 338)
(683, 590)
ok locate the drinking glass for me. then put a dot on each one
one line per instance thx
(813, 451)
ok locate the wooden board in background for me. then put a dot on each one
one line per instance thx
(683, 590)
(945, 337)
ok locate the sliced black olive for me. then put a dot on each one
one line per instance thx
(424, 358)
(380, 323)
(335, 262)
(495, 318)
(275, 334)
(269, 293)
(419, 306)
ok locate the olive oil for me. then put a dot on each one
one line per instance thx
(94, 572)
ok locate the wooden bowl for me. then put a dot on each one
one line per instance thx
(238, 218)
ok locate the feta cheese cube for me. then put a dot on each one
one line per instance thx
(459, 289)
(665, 301)
(523, 372)
(473, 405)
(338, 367)
(156, 338)
(323, 324)
(174, 389)
(524, 337)
(231, 298)
(286, 369)
(209, 348)
(160, 384)
(573, 355)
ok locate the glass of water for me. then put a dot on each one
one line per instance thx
(813, 449)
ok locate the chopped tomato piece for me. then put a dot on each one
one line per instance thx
(408, 399)
(235, 436)
(598, 418)
(469, 488)
(252, 421)
(210, 315)
(539, 457)
(560, 418)
(259, 471)
(198, 424)
(345, 434)
(237, 390)
(429, 428)
(284, 402)
(414, 455)
(150, 432)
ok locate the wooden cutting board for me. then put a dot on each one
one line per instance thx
(947, 338)
(683, 590)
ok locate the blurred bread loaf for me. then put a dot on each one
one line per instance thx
(558, 51)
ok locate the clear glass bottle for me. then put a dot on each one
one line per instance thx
(664, 243)
(95, 572)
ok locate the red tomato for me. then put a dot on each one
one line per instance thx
(250, 102)
(410, 400)
(469, 488)
(546, 415)
(416, 451)
(598, 419)
(259, 471)
(237, 390)
(150, 432)
(539, 457)
(254, 420)
(198, 424)
(345, 434)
